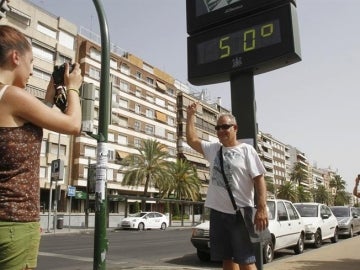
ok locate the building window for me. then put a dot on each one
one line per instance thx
(122, 140)
(111, 137)
(149, 81)
(171, 121)
(95, 54)
(94, 73)
(124, 86)
(66, 40)
(90, 151)
(42, 53)
(43, 148)
(138, 75)
(41, 74)
(137, 126)
(113, 64)
(125, 69)
(149, 113)
(138, 93)
(42, 173)
(150, 99)
(160, 102)
(137, 142)
(137, 108)
(170, 136)
(55, 149)
(123, 103)
(46, 30)
(149, 129)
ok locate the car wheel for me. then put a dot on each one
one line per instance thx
(141, 226)
(163, 226)
(299, 248)
(268, 251)
(203, 256)
(351, 232)
(335, 238)
(317, 238)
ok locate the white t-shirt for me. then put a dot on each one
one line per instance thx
(241, 165)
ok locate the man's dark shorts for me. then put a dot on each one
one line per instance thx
(229, 239)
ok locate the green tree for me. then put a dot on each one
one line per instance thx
(149, 167)
(302, 195)
(298, 173)
(321, 195)
(287, 191)
(270, 186)
(183, 183)
(338, 185)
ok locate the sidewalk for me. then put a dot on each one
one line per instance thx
(344, 255)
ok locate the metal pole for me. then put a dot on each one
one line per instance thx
(243, 107)
(100, 241)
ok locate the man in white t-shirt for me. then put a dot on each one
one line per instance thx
(229, 237)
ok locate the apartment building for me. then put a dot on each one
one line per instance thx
(143, 106)
(275, 156)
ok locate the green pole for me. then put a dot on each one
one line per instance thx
(100, 240)
(243, 107)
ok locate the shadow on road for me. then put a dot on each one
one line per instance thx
(191, 260)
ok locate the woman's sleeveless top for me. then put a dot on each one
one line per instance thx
(19, 172)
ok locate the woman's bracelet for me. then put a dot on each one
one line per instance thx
(75, 90)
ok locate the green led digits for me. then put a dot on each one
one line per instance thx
(224, 47)
(239, 42)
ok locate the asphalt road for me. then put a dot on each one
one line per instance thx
(145, 250)
(127, 250)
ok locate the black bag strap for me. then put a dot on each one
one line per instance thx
(226, 180)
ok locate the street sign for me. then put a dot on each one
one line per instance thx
(71, 191)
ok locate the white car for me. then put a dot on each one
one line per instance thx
(285, 225)
(320, 223)
(145, 220)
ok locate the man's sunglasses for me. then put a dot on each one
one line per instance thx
(224, 126)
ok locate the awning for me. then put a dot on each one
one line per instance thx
(121, 154)
(161, 86)
(160, 116)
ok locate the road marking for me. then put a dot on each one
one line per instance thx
(76, 258)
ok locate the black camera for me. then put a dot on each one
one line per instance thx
(58, 73)
(60, 98)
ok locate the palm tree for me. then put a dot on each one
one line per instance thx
(302, 194)
(148, 167)
(338, 184)
(299, 173)
(184, 182)
(270, 186)
(321, 195)
(287, 192)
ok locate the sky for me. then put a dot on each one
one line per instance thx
(312, 105)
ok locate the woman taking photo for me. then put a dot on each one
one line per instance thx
(22, 119)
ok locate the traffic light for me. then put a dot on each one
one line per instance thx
(3, 8)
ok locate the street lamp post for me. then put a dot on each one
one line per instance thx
(100, 240)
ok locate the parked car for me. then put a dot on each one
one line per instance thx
(145, 220)
(348, 219)
(320, 223)
(285, 225)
